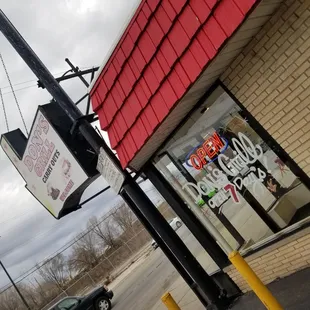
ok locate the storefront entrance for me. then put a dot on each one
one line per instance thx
(241, 180)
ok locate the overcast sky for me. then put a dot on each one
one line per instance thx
(83, 31)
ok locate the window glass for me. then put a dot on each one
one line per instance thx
(68, 303)
(220, 164)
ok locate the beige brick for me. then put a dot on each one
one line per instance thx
(289, 115)
(290, 11)
(285, 84)
(292, 105)
(285, 36)
(306, 253)
(305, 94)
(295, 93)
(286, 146)
(283, 95)
(275, 27)
(302, 243)
(299, 121)
(302, 105)
(290, 60)
(298, 81)
(302, 58)
(296, 25)
(304, 147)
(274, 128)
(301, 157)
(279, 270)
(303, 238)
(306, 83)
(276, 74)
(300, 70)
(283, 137)
(296, 37)
(283, 250)
(269, 105)
(266, 119)
(294, 137)
(291, 147)
(286, 127)
(306, 136)
(277, 117)
(237, 61)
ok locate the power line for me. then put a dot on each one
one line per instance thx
(16, 90)
(57, 252)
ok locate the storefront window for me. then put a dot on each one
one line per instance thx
(220, 164)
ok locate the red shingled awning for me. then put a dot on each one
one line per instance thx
(166, 47)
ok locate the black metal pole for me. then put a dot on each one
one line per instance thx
(15, 286)
(167, 251)
(204, 282)
(189, 219)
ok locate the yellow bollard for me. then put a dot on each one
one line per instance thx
(254, 282)
(169, 302)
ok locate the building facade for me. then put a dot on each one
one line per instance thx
(215, 95)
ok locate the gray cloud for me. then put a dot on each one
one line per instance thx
(83, 31)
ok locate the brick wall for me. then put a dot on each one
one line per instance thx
(271, 79)
(279, 260)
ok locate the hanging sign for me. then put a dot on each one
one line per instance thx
(52, 173)
(112, 174)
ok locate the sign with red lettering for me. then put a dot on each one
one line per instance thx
(51, 172)
(207, 151)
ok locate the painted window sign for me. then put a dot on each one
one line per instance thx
(227, 178)
(207, 152)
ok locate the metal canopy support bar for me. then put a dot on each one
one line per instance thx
(186, 215)
(70, 76)
(167, 251)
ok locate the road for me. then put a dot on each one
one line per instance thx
(143, 287)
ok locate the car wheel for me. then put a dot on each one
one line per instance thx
(103, 303)
(178, 224)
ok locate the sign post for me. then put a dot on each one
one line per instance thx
(110, 171)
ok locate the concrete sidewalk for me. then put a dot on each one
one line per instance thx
(292, 292)
(183, 295)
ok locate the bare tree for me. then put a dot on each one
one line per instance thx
(54, 271)
(105, 231)
(124, 218)
(30, 294)
(10, 300)
(85, 254)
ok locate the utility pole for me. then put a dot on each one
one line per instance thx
(206, 288)
(15, 286)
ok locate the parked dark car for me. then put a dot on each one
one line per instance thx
(99, 299)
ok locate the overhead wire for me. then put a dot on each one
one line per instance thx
(44, 261)
(14, 95)
(4, 111)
